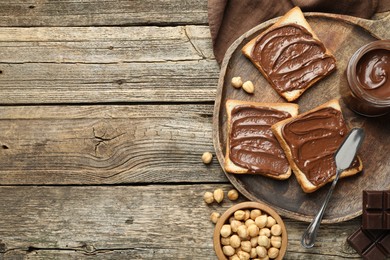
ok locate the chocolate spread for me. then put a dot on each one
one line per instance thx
(373, 73)
(368, 79)
(314, 138)
(291, 57)
(252, 143)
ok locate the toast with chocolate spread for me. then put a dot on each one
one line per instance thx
(251, 147)
(290, 55)
(310, 141)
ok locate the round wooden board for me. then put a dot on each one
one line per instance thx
(343, 35)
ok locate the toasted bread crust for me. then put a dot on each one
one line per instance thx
(229, 166)
(305, 184)
(294, 16)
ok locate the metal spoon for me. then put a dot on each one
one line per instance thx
(344, 157)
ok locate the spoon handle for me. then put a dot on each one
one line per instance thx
(309, 236)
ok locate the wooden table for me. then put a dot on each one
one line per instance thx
(106, 109)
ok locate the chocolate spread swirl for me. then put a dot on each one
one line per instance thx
(252, 143)
(373, 71)
(314, 138)
(291, 57)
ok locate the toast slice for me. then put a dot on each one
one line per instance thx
(251, 147)
(290, 55)
(310, 141)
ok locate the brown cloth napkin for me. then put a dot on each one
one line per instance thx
(228, 19)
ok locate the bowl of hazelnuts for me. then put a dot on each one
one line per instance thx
(250, 230)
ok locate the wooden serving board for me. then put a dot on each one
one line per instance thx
(343, 35)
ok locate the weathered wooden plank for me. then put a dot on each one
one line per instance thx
(37, 83)
(106, 144)
(94, 65)
(137, 222)
(103, 12)
(104, 44)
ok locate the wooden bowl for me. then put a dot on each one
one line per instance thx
(224, 219)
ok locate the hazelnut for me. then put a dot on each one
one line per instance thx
(248, 233)
(273, 252)
(235, 241)
(253, 230)
(208, 197)
(246, 246)
(242, 232)
(235, 224)
(261, 251)
(255, 213)
(226, 230)
(243, 255)
(248, 87)
(225, 241)
(239, 214)
(254, 241)
(234, 257)
(276, 230)
(228, 250)
(237, 82)
(214, 217)
(249, 222)
(265, 231)
(207, 157)
(232, 195)
(218, 195)
(270, 221)
(261, 221)
(253, 253)
(263, 241)
(276, 241)
(247, 214)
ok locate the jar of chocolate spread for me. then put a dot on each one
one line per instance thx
(368, 77)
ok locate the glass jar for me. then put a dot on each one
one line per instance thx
(368, 77)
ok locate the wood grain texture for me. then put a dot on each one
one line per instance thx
(100, 65)
(106, 144)
(343, 36)
(102, 12)
(156, 58)
(140, 222)
(105, 44)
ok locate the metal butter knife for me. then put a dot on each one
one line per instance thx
(343, 157)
